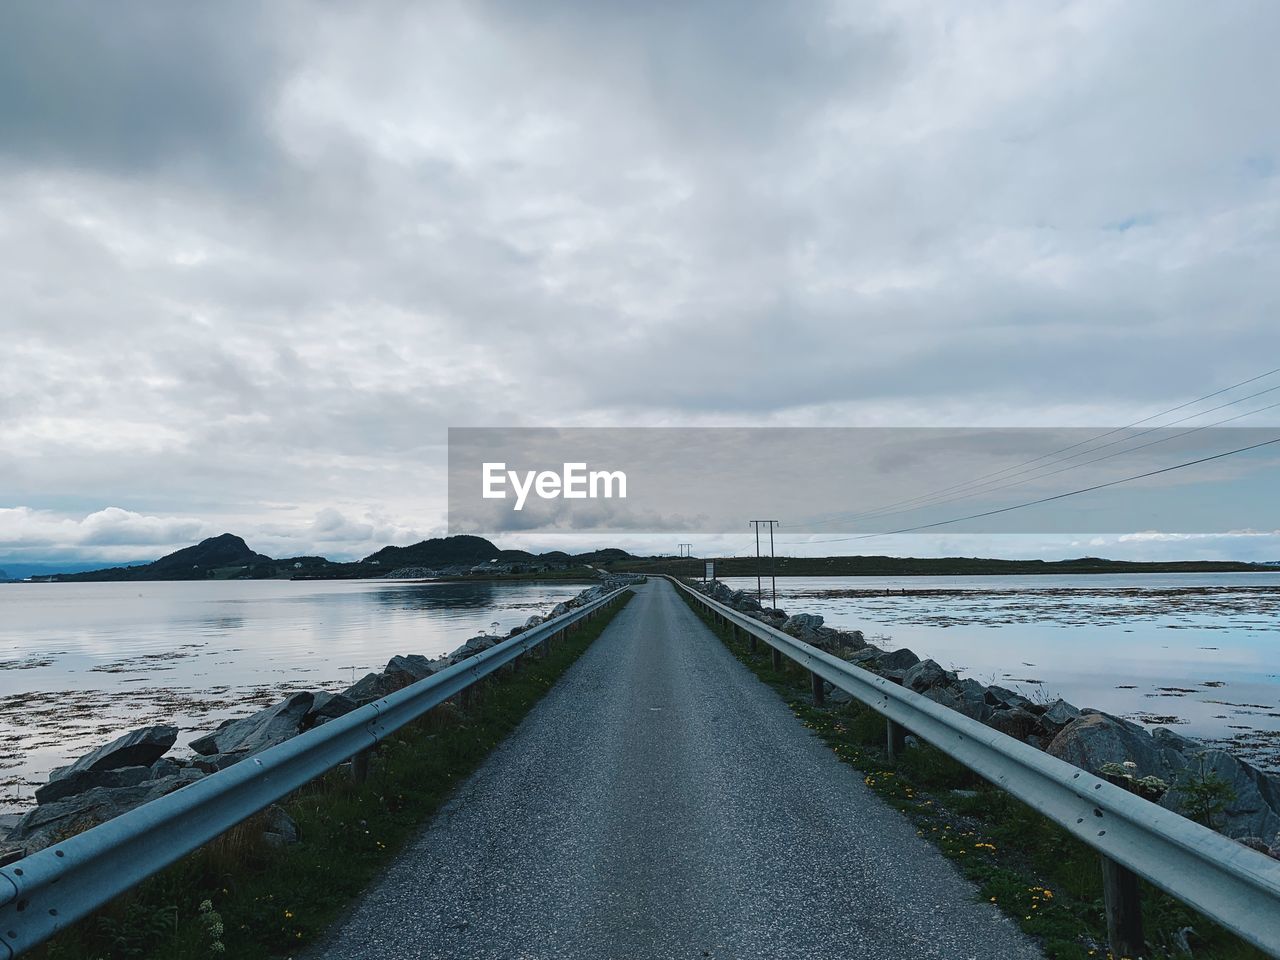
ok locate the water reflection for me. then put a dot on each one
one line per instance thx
(1198, 652)
(81, 663)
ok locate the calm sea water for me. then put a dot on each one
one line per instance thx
(81, 663)
(1198, 652)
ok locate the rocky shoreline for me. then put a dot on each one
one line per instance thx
(137, 768)
(1179, 773)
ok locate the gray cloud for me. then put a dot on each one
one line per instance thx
(131, 86)
(258, 258)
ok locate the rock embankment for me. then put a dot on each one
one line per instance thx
(1181, 774)
(136, 767)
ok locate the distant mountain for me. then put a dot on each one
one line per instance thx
(440, 552)
(608, 555)
(200, 562)
(229, 557)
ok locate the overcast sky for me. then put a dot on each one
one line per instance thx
(256, 259)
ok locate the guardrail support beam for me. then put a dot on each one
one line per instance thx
(755, 644)
(360, 766)
(895, 741)
(819, 693)
(777, 659)
(1123, 898)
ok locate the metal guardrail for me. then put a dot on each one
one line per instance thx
(1231, 884)
(51, 889)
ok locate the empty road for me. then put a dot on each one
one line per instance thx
(660, 803)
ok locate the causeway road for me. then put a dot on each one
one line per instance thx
(660, 803)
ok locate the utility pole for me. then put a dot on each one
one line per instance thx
(773, 568)
(773, 564)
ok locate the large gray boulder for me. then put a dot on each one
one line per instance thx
(925, 675)
(1096, 739)
(844, 639)
(718, 591)
(327, 706)
(472, 647)
(1002, 697)
(1014, 721)
(945, 696)
(1056, 717)
(802, 626)
(375, 686)
(1255, 809)
(773, 618)
(52, 822)
(70, 784)
(896, 663)
(415, 666)
(965, 696)
(264, 729)
(589, 595)
(137, 748)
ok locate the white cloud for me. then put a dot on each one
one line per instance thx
(116, 535)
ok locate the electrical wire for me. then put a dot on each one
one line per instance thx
(959, 487)
(1059, 496)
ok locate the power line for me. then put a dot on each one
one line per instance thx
(957, 487)
(1109, 456)
(1059, 496)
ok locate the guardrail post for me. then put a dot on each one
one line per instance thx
(895, 739)
(755, 644)
(737, 634)
(819, 692)
(777, 658)
(1123, 898)
(360, 766)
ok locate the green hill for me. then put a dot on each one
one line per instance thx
(438, 552)
(206, 559)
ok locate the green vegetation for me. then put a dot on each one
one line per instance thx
(1206, 796)
(241, 897)
(1036, 872)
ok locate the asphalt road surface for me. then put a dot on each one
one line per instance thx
(660, 802)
